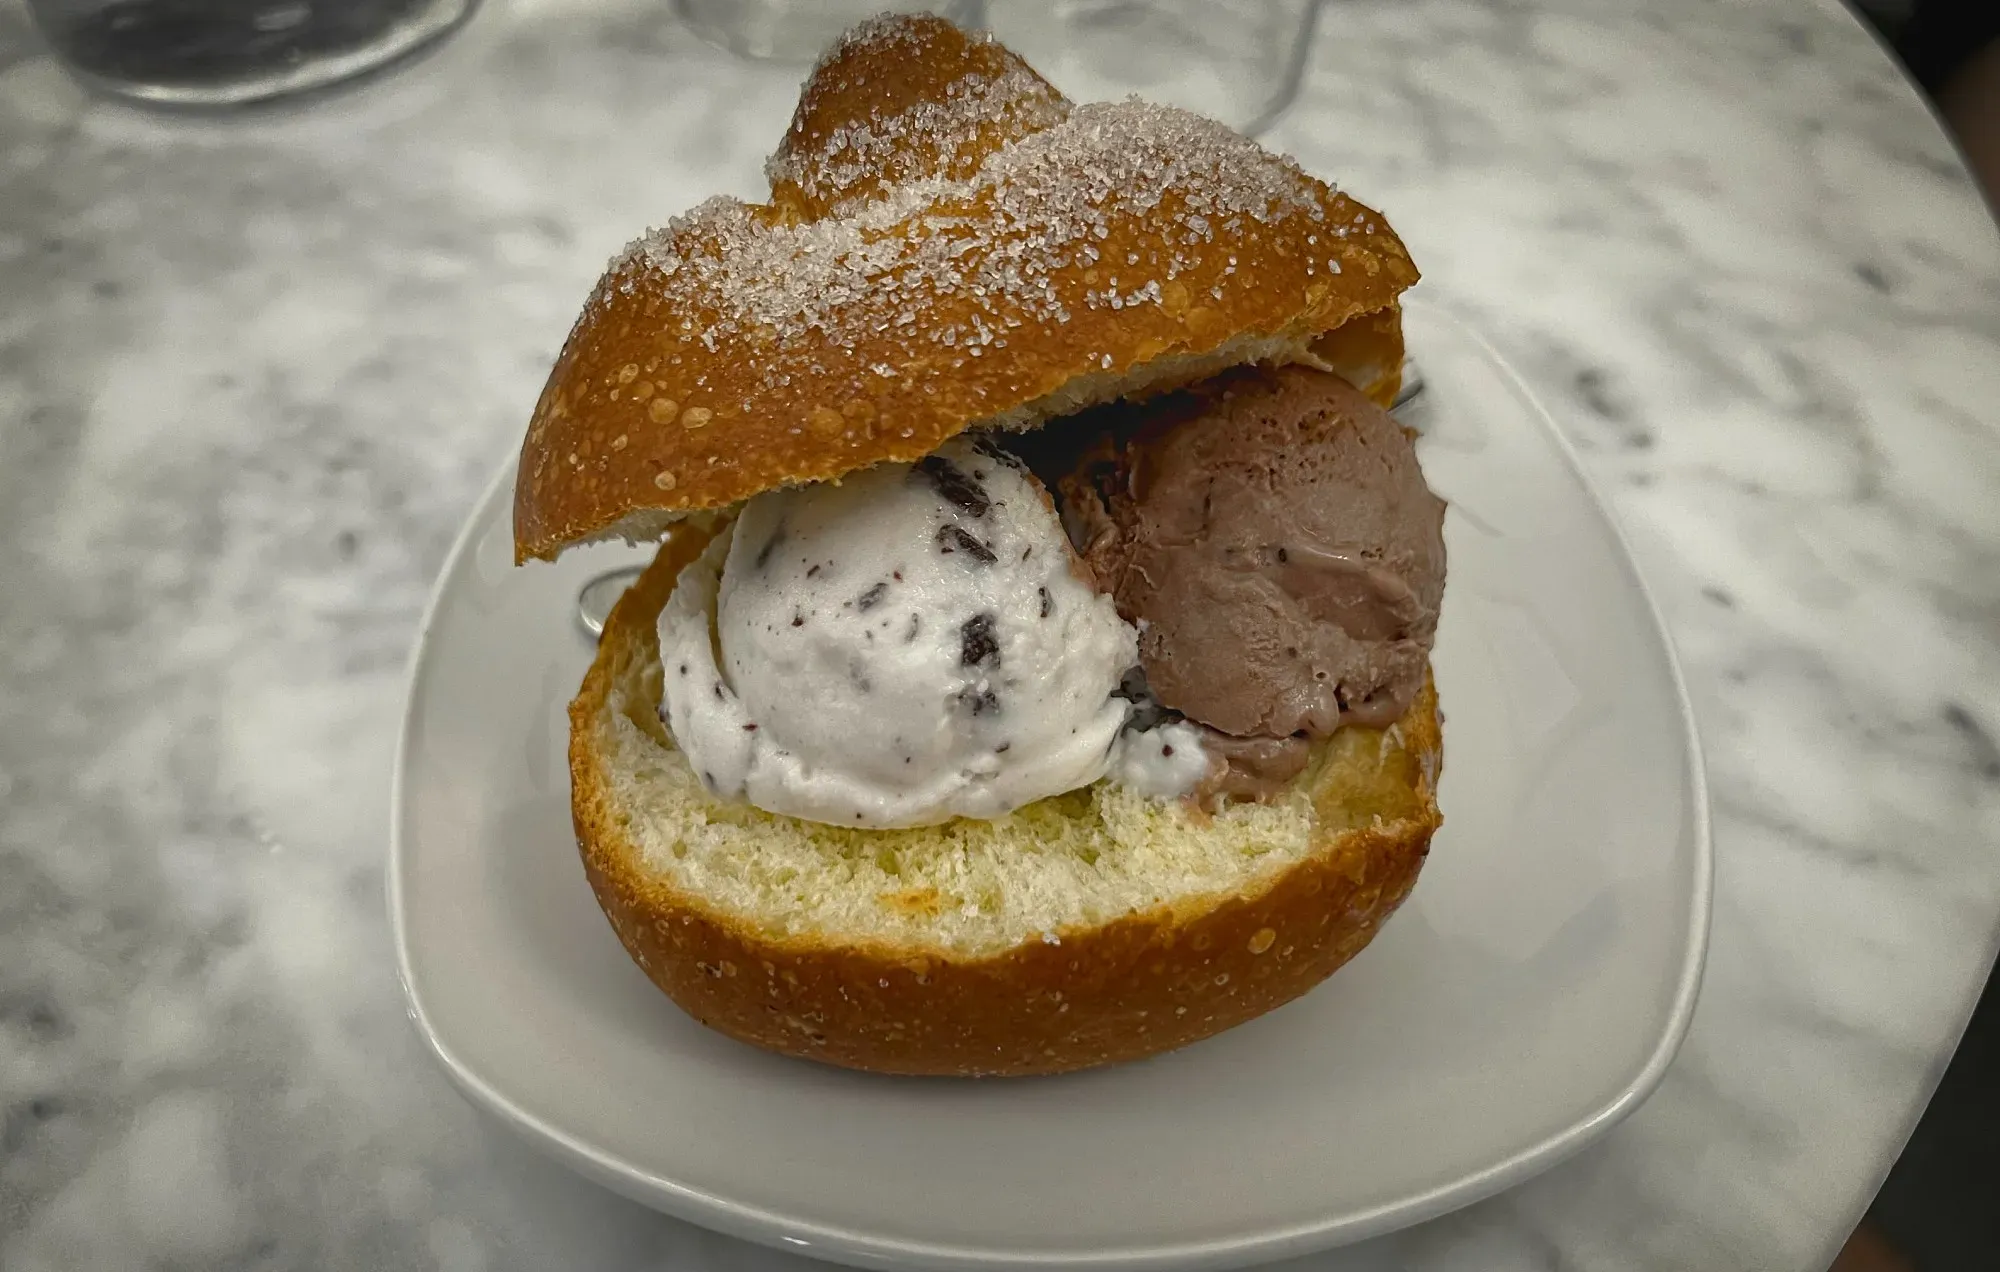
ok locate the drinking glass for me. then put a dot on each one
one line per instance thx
(1237, 61)
(234, 52)
(798, 31)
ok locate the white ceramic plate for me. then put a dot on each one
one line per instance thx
(1527, 996)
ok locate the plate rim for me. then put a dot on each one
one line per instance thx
(766, 1227)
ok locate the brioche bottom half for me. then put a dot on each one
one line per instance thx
(1085, 929)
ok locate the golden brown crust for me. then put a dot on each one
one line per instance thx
(852, 321)
(1144, 984)
(986, 95)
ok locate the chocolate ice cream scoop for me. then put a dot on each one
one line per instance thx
(1271, 534)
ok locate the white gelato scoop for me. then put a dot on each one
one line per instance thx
(910, 645)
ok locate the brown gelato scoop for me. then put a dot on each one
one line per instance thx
(1271, 534)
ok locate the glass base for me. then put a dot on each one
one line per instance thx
(221, 53)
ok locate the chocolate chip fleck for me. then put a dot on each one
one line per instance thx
(1283, 556)
(955, 538)
(814, 570)
(798, 619)
(1166, 748)
(916, 625)
(869, 599)
(953, 484)
(718, 691)
(750, 728)
(1003, 748)
(978, 643)
(770, 546)
(1048, 602)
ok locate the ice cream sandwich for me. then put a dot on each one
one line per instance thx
(1033, 672)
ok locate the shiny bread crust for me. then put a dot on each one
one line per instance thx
(950, 242)
(1147, 983)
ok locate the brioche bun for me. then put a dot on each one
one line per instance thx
(950, 243)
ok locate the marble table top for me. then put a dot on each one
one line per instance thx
(253, 374)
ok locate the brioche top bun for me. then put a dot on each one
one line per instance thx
(950, 242)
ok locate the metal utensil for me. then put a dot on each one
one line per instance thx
(594, 602)
(1412, 387)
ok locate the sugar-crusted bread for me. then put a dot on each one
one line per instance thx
(949, 242)
(1088, 928)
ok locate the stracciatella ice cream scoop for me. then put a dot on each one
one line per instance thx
(915, 643)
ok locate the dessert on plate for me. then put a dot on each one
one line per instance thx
(1034, 669)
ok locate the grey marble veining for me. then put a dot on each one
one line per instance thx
(252, 375)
